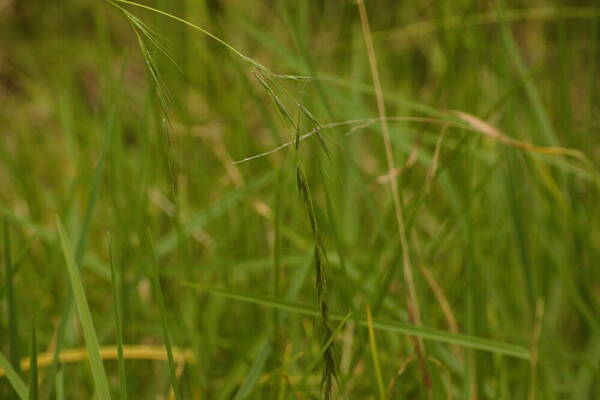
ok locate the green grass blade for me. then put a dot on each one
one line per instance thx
(13, 377)
(375, 354)
(33, 369)
(118, 326)
(163, 319)
(13, 323)
(468, 341)
(87, 324)
(254, 373)
(60, 383)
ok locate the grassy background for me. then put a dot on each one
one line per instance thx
(129, 141)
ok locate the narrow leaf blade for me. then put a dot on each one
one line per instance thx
(85, 317)
(468, 341)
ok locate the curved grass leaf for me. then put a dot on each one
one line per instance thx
(85, 317)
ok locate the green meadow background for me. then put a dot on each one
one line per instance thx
(425, 225)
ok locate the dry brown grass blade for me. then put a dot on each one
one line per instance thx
(492, 132)
(410, 161)
(130, 352)
(442, 299)
(469, 122)
(480, 126)
(392, 384)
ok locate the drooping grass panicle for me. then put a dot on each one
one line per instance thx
(263, 80)
(320, 262)
(152, 36)
(235, 51)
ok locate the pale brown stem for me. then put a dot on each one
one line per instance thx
(412, 303)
